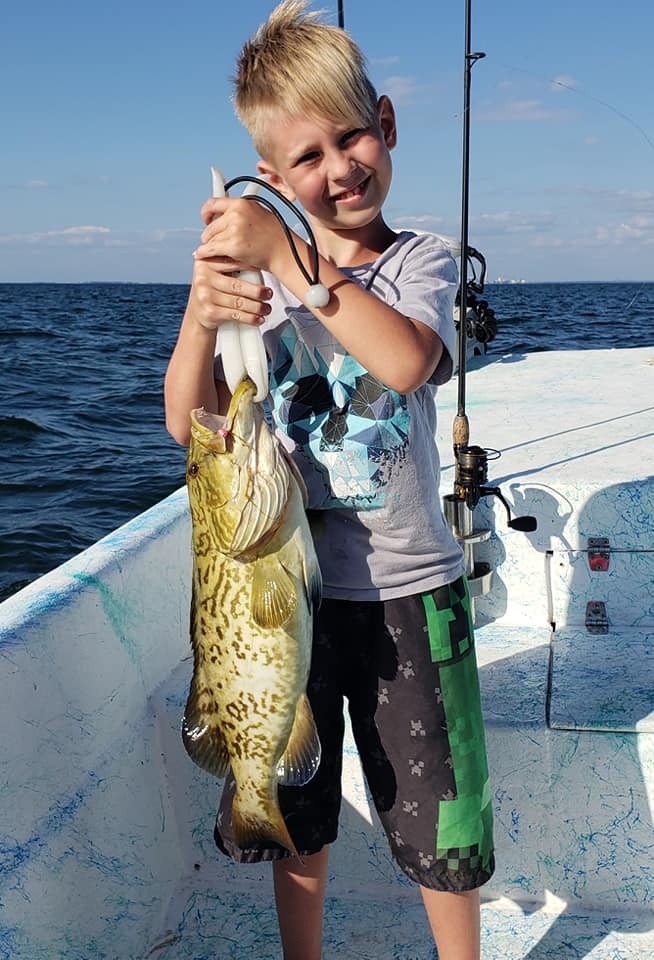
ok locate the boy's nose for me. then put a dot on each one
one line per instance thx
(342, 169)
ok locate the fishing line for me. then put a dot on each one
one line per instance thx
(635, 296)
(582, 93)
(603, 103)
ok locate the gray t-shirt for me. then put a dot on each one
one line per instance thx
(368, 454)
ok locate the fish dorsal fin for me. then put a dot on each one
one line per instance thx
(274, 595)
(201, 734)
(302, 755)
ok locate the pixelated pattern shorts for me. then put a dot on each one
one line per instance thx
(408, 670)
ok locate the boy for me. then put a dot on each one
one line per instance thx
(351, 401)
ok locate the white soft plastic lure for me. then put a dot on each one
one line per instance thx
(241, 345)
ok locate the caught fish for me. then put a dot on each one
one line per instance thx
(255, 582)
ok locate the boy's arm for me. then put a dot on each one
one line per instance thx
(400, 351)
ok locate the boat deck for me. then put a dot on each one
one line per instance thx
(106, 849)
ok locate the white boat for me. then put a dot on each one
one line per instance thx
(106, 825)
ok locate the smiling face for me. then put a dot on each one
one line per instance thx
(339, 173)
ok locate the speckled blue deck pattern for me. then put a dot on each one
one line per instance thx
(106, 849)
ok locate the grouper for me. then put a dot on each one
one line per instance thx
(256, 582)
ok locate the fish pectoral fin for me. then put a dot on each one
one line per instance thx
(274, 595)
(302, 755)
(201, 734)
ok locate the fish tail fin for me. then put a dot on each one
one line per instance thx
(253, 829)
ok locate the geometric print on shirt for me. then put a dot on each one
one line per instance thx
(407, 670)
(350, 426)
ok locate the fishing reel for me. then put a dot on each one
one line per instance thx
(470, 484)
(481, 325)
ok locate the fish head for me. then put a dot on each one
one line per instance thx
(237, 477)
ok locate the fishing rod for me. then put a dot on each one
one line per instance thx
(461, 428)
(471, 462)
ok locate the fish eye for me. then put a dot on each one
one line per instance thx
(193, 469)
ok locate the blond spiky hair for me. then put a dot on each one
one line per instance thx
(297, 65)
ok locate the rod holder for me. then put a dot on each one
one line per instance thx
(459, 518)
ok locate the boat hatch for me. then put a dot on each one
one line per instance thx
(602, 665)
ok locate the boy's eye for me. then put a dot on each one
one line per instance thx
(306, 157)
(351, 135)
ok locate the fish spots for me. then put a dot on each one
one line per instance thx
(214, 652)
(202, 544)
(236, 710)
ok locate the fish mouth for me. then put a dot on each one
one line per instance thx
(353, 194)
(214, 422)
(219, 433)
(209, 429)
(209, 425)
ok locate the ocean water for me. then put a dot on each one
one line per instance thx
(83, 446)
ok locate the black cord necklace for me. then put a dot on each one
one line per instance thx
(317, 294)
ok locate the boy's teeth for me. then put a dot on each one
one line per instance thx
(351, 193)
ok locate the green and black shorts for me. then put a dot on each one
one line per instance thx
(408, 670)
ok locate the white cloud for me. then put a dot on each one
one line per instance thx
(520, 110)
(67, 236)
(639, 202)
(99, 236)
(511, 221)
(173, 233)
(640, 230)
(424, 221)
(400, 89)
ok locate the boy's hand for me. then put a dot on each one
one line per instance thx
(218, 296)
(240, 229)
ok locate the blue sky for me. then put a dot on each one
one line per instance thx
(113, 113)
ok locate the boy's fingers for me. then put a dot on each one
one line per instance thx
(230, 294)
(213, 207)
(206, 252)
(224, 273)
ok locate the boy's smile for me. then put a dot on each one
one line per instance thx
(352, 194)
(339, 174)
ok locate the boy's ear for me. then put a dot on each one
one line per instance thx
(386, 114)
(275, 179)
